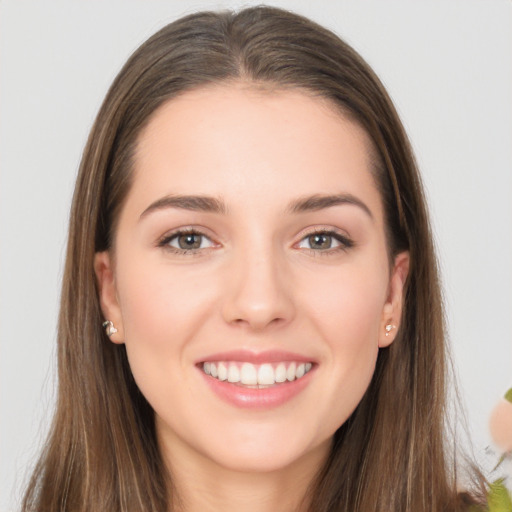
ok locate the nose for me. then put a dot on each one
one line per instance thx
(259, 291)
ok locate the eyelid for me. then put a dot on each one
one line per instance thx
(340, 236)
(163, 241)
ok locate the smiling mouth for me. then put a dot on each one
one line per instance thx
(257, 376)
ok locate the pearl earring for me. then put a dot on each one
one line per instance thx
(389, 328)
(109, 327)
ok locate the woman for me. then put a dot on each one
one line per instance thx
(251, 316)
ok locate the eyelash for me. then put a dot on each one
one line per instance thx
(165, 241)
(345, 242)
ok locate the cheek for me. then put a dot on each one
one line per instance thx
(158, 301)
(347, 305)
(348, 315)
(162, 312)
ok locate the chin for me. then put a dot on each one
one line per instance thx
(265, 452)
(262, 462)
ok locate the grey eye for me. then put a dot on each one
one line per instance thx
(189, 241)
(319, 241)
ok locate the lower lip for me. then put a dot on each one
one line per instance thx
(252, 398)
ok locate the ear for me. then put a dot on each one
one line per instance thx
(392, 311)
(109, 303)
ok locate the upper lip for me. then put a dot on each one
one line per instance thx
(267, 356)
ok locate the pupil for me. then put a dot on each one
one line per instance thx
(189, 241)
(320, 241)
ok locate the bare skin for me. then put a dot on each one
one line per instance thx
(251, 492)
(284, 250)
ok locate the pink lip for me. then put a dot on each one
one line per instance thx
(269, 356)
(251, 398)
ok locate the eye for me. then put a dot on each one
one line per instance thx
(325, 241)
(185, 241)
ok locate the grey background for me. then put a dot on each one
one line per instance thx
(448, 67)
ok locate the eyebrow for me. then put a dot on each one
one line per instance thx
(211, 204)
(193, 203)
(319, 202)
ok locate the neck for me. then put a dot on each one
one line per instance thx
(201, 485)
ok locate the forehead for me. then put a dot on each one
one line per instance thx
(254, 105)
(218, 139)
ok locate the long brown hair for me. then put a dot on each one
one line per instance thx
(102, 453)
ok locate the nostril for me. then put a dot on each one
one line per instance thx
(258, 323)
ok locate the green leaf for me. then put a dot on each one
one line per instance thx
(498, 497)
(508, 395)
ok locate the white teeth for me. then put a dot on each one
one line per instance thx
(290, 373)
(281, 372)
(248, 374)
(222, 371)
(233, 373)
(266, 375)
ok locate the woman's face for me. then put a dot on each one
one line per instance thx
(250, 281)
